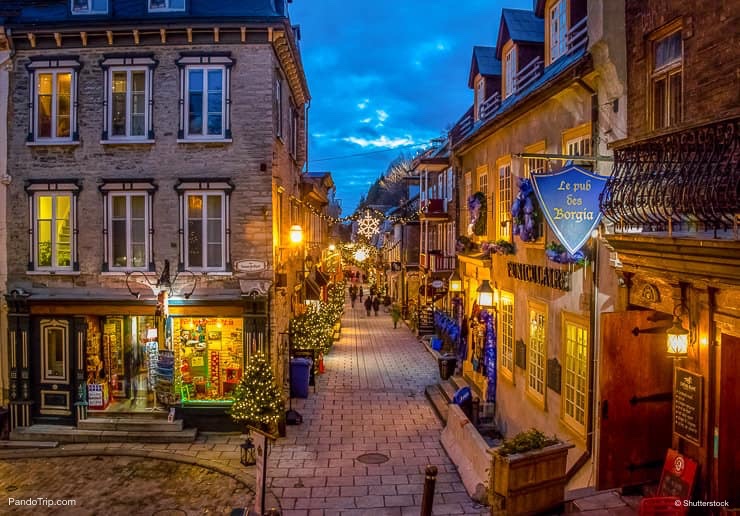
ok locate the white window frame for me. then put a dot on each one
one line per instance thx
(558, 17)
(204, 126)
(89, 9)
(167, 7)
(46, 326)
(54, 244)
(483, 182)
(537, 352)
(55, 72)
(510, 66)
(468, 194)
(128, 232)
(278, 107)
(129, 103)
(578, 146)
(575, 373)
(506, 334)
(505, 198)
(479, 96)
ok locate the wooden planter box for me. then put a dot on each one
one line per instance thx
(529, 482)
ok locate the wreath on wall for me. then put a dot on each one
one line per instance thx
(525, 212)
(477, 214)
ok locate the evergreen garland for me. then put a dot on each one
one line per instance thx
(257, 399)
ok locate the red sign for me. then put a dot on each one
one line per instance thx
(678, 476)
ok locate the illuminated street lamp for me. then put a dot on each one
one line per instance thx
(455, 282)
(677, 340)
(485, 295)
(296, 234)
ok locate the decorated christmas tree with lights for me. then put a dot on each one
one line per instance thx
(257, 399)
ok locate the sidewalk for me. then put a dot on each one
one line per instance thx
(370, 402)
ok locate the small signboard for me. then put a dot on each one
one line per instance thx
(677, 478)
(250, 265)
(687, 405)
(261, 442)
(570, 203)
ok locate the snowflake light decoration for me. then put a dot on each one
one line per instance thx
(368, 226)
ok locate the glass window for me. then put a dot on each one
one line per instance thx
(580, 146)
(504, 201)
(479, 97)
(510, 69)
(128, 230)
(536, 355)
(166, 5)
(53, 106)
(54, 344)
(575, 375)
(209, 355)
(666, 81)
(205, 102)
(278, 108)
(89, 6)
(506, 333)
(205, 231)
(129, 97)
(558, 30)
(53, 231)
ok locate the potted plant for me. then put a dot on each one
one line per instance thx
(528, 473)
(500, 246)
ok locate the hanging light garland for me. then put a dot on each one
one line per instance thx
(357, 216)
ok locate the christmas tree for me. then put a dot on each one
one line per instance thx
(257, 399)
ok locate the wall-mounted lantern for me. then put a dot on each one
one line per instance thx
(485, 295)
(455, 282)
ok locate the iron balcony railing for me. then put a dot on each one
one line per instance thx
(686, 180)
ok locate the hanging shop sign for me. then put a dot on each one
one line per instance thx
(544, 276)
(570, 203)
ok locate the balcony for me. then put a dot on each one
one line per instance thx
(434, 209)
(435, 261)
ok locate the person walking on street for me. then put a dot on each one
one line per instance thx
(368, 304)
(352, 295)
(395, 314)
(376, 305)
(361, 293)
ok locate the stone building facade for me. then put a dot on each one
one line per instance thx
(151, 200)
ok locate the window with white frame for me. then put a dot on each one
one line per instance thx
(504, 201)
(506, 333)
(53, 100)
(579, 146)
(278, 107)
(204, 244)
(468, 193)
(166, 5)
(128, 225)
(206, 97)
(128, 101)
(558, 19)
(510, 70)
(537, 352)
(480, 94)
(575, 375)
(536, 166)
(89, 6)
(666, 81)
(54, 226)
(54, 351)
(483, 183)
(294, 131)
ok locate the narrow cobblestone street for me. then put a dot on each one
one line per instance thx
(370, 400)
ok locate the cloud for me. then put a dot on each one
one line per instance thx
(382, 115)
(381, 142)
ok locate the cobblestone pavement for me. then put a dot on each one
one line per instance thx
(370, 400)
(116, 485)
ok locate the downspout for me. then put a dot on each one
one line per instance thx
(5, 67)
(305, 126)
(593, 304)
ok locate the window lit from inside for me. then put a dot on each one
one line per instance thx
(205, 102)
(53, 231)
(576, 375)
(506, 332)
(205, 231)
(53, 120)
(666, 81)
(504, 201)
(536, 354)
(128, 104)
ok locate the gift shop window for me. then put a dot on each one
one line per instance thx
(209, 357)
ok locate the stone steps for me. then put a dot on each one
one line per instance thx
(71, 434)
(130, 424)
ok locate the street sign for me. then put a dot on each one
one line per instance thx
(570, 203)
(250, 265)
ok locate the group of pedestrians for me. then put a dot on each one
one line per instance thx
(372, 301)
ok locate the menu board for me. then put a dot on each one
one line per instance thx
(687, 405)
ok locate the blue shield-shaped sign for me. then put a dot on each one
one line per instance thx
(570, 202)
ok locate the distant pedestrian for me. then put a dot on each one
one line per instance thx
(368, 304)
(395, 314)
(361, 293)
(376, 305)
(352, 295)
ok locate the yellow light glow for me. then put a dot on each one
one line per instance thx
(485, 294)
(296, 234)
(677, 340)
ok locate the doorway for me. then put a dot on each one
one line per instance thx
(727, 449)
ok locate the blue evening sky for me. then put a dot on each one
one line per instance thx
(385, 76)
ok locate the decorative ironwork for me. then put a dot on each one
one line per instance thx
(689, 179)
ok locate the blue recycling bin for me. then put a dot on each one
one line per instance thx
(464, 398)
(436, 343)
(300, 371)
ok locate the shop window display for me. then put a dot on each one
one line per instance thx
(209, 356)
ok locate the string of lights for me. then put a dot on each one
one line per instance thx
(358, 215)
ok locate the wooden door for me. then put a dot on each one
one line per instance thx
(53, 363)
(635, 385)
(728, 446)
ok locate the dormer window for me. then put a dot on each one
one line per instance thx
(479, 96)
(89, 6)
(558, 28)
(166, 5)
(510, 71)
